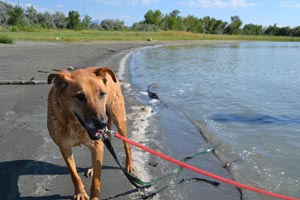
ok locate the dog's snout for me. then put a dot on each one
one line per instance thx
(99, 122)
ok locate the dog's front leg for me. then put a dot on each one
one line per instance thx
(129, 162)
(122, 128)
(118, 115)
(80, 192)
(97, 158)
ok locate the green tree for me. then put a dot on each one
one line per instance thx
(206, 24)
(234, 26)
(252, 29)
(173, 21)
(219, 27)
(86, 22)
(213, 26)
(73, 20)
(16, 16)
(295, 31)
(271, 30)
(164, 23)
(153, 17)
(4, 16)
(94, 26)
(59, 20)
(175, 13)
(176, 22)
(31, 15)
(193, 24)
(284, 31)
(109, 24)
(141, 26)
(45, 20)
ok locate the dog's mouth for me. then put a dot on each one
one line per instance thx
(94, 134)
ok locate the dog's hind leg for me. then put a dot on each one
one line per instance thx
(80, 192)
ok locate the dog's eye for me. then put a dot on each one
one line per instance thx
(81, 97)
(102, 94)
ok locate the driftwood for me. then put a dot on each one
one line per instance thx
(22, 82)
(31, 81)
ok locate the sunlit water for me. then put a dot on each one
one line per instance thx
(246, 97)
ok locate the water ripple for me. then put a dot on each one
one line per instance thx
(256, 119)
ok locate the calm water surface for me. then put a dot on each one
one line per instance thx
(244, 95)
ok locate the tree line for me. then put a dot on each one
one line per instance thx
(154, 20)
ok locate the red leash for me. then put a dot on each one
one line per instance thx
(203, 172)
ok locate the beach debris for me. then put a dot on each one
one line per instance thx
(229, 164)
(111, 50)
(42, 71)
(152, 163)
(69, 68)
(150, 92)
(32, 80)
(22, 82)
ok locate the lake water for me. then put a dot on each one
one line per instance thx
(244, 96)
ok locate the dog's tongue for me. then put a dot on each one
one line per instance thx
(98, 134)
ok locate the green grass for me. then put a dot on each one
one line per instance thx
(94, 35)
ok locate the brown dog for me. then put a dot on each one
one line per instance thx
(81, 104)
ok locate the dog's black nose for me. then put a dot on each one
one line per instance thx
(99, 122)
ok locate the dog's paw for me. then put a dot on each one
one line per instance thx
(89, 173)
(130, 167)
(81, 196)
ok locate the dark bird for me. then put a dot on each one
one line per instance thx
(152, 94)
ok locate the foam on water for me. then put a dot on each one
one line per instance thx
(139, 115)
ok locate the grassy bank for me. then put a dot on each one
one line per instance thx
(94, 35)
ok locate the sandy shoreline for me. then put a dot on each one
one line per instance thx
(30, 163)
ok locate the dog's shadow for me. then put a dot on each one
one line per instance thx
(10, 171)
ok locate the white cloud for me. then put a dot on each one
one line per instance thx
(217, 3)
(60, 6)
(107, 2)
(149, 1)
(27, 5)
(125, 17)
(11, 2)
(141, 2)
(38, 8)
(290, 4)
(124, 2)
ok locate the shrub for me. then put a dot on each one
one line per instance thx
(14, 29)
(6, 39)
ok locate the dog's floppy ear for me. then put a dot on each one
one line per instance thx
(60, 79)
(101, 71)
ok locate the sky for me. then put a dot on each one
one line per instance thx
(259, 12)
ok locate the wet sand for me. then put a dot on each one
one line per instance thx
(31, 166)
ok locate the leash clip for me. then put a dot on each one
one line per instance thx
(106, 131)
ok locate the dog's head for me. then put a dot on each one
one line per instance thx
(83, 93)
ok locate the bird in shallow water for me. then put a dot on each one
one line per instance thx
(152, 94)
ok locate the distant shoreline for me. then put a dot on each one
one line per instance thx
(71, 36)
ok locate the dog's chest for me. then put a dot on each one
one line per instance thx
(69, 134)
